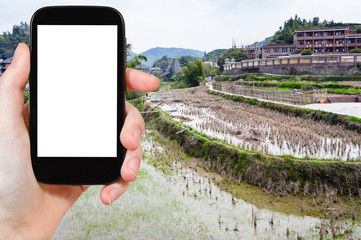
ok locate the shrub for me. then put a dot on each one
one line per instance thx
(307, 52)
(26, 96)
(220, 78)
(356, 50)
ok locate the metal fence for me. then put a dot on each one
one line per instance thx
(290, 97)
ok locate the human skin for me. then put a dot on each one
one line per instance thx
(29, 209)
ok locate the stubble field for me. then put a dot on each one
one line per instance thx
(258, 129)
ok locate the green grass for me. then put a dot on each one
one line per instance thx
(26, 96)
(288, 83)
(137, 102)
(263, 77)
(289, 86)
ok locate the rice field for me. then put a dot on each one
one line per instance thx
(171, 200)
(258, 129)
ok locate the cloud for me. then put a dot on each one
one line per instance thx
(197, 24)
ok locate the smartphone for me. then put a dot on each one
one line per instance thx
(77, 94)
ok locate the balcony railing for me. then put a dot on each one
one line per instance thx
(294, 61)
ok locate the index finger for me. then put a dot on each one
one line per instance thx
(140, 81)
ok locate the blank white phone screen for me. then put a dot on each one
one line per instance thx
(77, 91)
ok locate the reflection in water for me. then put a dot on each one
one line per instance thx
(230, 218)
(180, 205)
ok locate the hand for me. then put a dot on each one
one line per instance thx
(28, 209)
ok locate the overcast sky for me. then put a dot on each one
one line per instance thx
(196, 24)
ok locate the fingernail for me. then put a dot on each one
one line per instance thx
(113, 195)
(133, 166)
(17, 53)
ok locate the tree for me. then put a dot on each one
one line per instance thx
(184, 60)
(234, 53)
(210, 70)
(356, 50)
(136, 61)
(193, 73)
(162, 63)
(9, 41)
(315, 21)
(285, 35)
(214, 55)
(307, 52)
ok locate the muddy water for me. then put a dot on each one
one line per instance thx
(196, 117)
(180, 205)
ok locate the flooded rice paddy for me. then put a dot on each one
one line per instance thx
(258, 129)
(171, 200)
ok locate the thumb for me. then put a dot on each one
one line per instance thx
(12, 83)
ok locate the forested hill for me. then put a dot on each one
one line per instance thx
(285, 34)
(214, 55)
(158, 52)
(10, 40)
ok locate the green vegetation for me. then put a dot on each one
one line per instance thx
(234, 53)
(356, 50)
(285, 34)
(158, 52)
(221, 78)
(211, 70)
(9, 41)
(299, 82)
(307, 52)
(137, 102)
(193, 74)
(184, 60)
(330, 86)
(162, 63)
(306, 78)
(261, 198)
(26, 96)
(136, 61)
(214, 55)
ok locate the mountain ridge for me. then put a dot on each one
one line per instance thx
(157, 52)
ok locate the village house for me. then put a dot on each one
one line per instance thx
(320, 41)
(5, 61)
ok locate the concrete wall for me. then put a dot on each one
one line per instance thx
(343, 99)
(302, 70)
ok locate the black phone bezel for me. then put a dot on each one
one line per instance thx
(77, 170)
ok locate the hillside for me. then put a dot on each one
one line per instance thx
(261, 43)
(10, 40)
(158, 52)
(214, 55)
